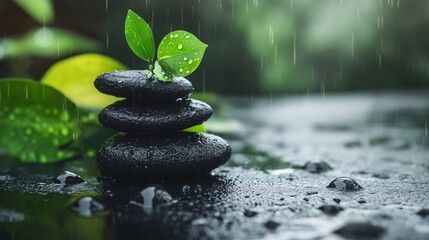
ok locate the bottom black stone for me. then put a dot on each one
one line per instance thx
(162, 156)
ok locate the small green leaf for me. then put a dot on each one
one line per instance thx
(197, 128)
(139, 36)
(161, 74)
(75, 76)
(35, 121)
(180, 53)
(41, 10)
(46, 42)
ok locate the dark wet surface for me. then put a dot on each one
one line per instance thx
(378, 140)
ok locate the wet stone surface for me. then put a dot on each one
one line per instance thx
(142, 117)
(162, 155)
(260, 193)
(135, 84)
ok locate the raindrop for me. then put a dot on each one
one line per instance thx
(344, 184)
(181, 70)
(180, 46)
(68, 178)
(87, 206)
(190, 61)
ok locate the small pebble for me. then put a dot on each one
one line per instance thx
(250, 213)
(331, 209)
(317, 167)
(272, 225)
(423, 212)
(337, 200)
(344, 184)
(360, 231)
(361, 201)
(68, 178)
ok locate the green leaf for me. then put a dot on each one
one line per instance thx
(161, 74)
(46, 42)
(196, 128)
(75, 76)
(180, 53)
(139, 36)
(35, 121)
(41, 10)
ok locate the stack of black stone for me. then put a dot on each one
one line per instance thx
(151, 119)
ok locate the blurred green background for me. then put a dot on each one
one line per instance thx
(255, 46)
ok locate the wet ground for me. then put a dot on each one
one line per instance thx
(265, 192)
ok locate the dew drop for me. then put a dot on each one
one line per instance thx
(190, 61)
(185, 59)
(181, 70)
(187, 36)
(180, 46)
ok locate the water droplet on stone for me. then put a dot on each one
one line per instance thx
(317, 166)
(68, 178)
(344, 184)
(331, 209)
(87, 206)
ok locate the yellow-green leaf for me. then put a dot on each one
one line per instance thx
(75, 76)
(196, 128)
(41, 10)
(180, 53)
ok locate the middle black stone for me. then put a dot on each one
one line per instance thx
(132, 116)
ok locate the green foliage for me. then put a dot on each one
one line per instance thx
(74, 77)
(36, 121)
(41, 10)
(179, 53)
(139, 36)
(46, 42)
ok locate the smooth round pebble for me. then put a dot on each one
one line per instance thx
(68, 178)
(344, 184)
(317, 166)
(139, 117)
(135, 84)
(360, 230)
(162, 155)
(331, 209)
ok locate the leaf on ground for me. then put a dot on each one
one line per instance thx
(36, 121)
(75, 76)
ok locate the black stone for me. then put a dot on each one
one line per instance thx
(331, 209)
(250, 213)
(423, 212)
(360, 231)
(337, 200)
(135, 84)
(317, 166)
(162, 155)
(139, 117)
(68, 178)
(344, 184)
(272, 225)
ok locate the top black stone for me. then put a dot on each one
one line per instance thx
(135, 84)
